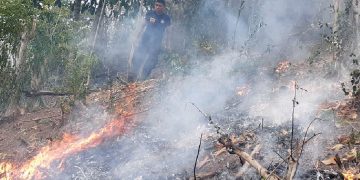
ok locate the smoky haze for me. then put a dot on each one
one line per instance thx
(267, 32)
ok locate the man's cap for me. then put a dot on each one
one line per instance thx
(161, 1)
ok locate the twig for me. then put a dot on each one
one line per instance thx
(292, 121)
(206, 175)
(293, 163)
(199, 110)
(312, 137)
(304, 140)
(279, 156)
(197, 156)
(273, 171)
(218, 129)
(82, 172)
(122, 81)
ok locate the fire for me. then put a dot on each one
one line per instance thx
(348, 175)
(5, 169)
(242, 91)
(68, 145)
(282, 67)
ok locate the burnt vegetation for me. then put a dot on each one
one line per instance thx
(243, 89)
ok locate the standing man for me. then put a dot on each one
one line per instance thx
(146, 55)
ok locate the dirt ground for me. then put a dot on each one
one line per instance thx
(23, 135)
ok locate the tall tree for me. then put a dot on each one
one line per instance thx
(77, 9)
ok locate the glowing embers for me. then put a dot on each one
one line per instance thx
(282, 67)
(5, 170)
(349, 175)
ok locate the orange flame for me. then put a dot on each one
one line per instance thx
(70, 144)
(5, 169)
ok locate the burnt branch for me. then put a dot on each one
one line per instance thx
(245, 167)
(233, 149)
(292, 120)
(295, 157)
(208, 117)
(306, 132)
(197, 156)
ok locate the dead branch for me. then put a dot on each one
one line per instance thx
(295, 157)
(245, 167)
(217, 153)
(197, 156)
(45, 93)
(306, 132)
(218, 129)
(41, 118)
(284, 159)
(232, 149)
(203, 162)
(292, 120)
(273, 171)
(292, 166)
(205, 175)
(261, 170)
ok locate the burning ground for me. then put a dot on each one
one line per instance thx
(241, 101)
(151, 130)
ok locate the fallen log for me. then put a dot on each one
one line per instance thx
(45, 93)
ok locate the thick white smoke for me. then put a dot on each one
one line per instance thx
(166, 142)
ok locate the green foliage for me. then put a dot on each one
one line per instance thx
(58, 50)
(76, 73)
(15, 16)
(176, 64)
(57, 56)
(354, 90)
(52, 44)
(7, 81)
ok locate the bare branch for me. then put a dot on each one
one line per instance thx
(232, 149)
(197, 156)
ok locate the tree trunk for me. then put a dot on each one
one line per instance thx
(355, 23)
(98, 15)
(96, 30)
(77, 8)
(26, 36)
(336, 26)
